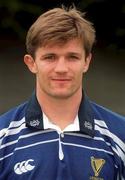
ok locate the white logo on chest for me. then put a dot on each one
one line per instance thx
(23, 167)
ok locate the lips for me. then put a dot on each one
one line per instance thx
(61, 79)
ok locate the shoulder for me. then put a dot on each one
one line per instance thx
(108, 119)
(106, 114)
(14, 114)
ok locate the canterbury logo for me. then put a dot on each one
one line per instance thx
(24, 166)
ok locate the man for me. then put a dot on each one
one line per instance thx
(59, 134)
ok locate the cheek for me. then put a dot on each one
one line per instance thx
(79, 75)
(43, 74)
(80, 70)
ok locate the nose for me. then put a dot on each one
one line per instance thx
(61, 66)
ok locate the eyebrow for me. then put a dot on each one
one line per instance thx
(79, 55)
(67, 54)
(47, 54)
(74, 53)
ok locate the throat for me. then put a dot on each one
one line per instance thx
(61, 112)
(60, 124)
(61, 115)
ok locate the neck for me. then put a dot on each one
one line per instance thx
(61, 112)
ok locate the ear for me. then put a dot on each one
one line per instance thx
(30, 62)
(87, 63)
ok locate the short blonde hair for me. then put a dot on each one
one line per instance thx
(60, 25)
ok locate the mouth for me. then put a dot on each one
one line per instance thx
(61, 79)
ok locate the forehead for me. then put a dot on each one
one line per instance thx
(73, 44)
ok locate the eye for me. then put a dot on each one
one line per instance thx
(50, 57)
(73, 58)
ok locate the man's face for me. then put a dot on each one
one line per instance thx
(59, 68)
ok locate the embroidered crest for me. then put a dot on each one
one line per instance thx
(34, 123)
(88, 125)
(97, 165)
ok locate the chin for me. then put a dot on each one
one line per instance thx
(62, 95)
